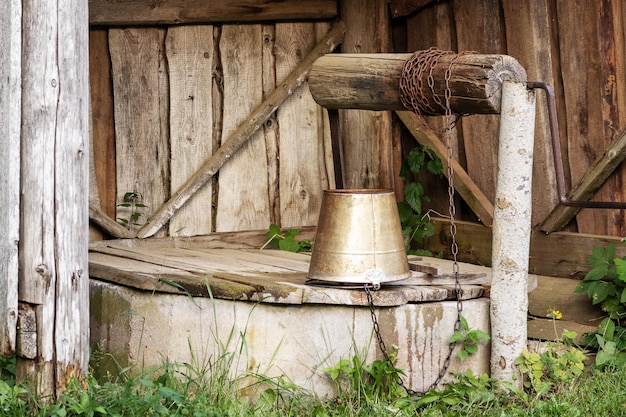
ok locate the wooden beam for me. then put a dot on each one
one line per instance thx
(372, 81)
(242, 133)
(593, 179)
(559, 254)
(106, 223)
(464, 185)
(149, 12)
(401, 8)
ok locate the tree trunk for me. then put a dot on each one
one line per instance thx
(511, 231)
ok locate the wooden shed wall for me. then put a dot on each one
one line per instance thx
(177, 92)
(166, 96)
(577, 47)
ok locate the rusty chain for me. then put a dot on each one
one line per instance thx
(412, 96)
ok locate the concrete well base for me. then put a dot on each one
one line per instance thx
(296, 342)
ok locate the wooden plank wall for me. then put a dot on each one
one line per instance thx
(178, 92)
(579, 48)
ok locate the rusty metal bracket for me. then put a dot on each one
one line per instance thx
(558, 159)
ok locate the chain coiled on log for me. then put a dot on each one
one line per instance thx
(417, 74)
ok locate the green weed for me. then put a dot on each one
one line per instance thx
(287, 241)
(468, 339)
(416, 226)
(605, 284)
(133, 201)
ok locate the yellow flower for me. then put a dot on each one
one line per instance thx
(554, 314)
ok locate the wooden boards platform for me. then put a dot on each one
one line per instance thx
(269, 276)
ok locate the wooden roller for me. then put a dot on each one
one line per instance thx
(372, 81)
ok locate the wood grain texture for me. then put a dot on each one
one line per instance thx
(327, 158)
(189, 51)
(559, 254)
(38, 263)
(372, 82)
(362, 132)
(242, 133)
(102, 120)
(298, 120)
(613, 98)
(10, 123)
(55, 173)
(271, 129)
(584, 78)
(529, 39)
(147, 12)
(243, 182)
(401, 8)
(479, 28)
(601, 169)
(141, 106)
(268, 276)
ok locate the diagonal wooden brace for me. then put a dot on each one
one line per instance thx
(242, 133)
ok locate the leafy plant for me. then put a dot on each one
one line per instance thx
(416, 227)
(464, 389)
(610, 341)
(561, 363)
(605, 284)
(133, 201)
(467, 339)
(287, 241)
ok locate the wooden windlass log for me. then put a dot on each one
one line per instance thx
(372, 81)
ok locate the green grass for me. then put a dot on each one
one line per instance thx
(182, 390)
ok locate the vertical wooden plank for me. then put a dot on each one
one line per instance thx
(529, 39)
(10, 119)
(364, 132)
(271, 130)
(243, 181)
(189, 51)
(613, 101)
(479, 28)
(142, 140)
(102, 123)
(71, 307)
(583, 81)
(299, 178)
(38, 268)
(55, 166)
(325, 142)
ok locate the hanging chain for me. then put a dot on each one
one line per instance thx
(413, 97)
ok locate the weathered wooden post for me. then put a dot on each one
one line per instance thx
(10, 110)
(511, 230)
(52, 176)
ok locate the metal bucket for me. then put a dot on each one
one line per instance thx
(359, 238)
